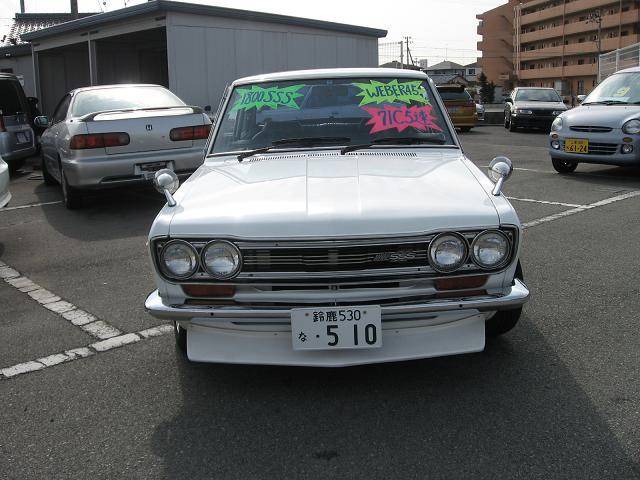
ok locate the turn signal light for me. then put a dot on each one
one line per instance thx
(99, 140)
(461, 283)
(196, 132)
(196, 290)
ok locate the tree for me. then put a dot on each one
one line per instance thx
(487, 89)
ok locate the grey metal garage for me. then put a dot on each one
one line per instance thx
(195, 50)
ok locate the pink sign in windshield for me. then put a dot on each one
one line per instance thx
(389, 117)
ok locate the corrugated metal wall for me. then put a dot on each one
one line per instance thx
(207, 53)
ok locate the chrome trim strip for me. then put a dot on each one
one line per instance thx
(513, 297)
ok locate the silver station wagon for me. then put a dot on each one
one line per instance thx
(335, 221)
(604, 129)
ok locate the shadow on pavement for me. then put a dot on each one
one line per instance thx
(106, 214)
(512, 411)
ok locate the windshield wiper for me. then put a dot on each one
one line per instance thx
(305, 141)
(438, 139)
(607, 102)
(311, 140)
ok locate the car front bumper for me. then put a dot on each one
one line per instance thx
(452, 326)
(532, 121)
(115, 170)
(612, 141)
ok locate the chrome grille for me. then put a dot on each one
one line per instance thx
(591, 129)
(542, 111)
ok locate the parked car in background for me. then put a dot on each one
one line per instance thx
(115, 135)
(5, 195)
(460, 106)
(604, 129)
(480, 112)
(350, 230)
(532, 107)
(17, 141)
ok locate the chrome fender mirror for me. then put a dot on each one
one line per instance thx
(500, 169)
(167, 182)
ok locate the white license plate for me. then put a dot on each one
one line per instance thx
(21, 137)
(331, 328)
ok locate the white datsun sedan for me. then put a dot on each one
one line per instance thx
(336, 221)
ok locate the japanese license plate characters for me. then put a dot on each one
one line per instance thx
(271, 97)
(331, 328)
(576, 145)
(392, 92)
(401, 118)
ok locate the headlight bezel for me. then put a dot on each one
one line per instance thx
(507, 257)
(462, 262)
(625, 127)
(217, 276)
(163, 266)
(557, 124)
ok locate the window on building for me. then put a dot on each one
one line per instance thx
(580, 87)
(581, 61)
(565, 63)
(624, 33)
(581, 40)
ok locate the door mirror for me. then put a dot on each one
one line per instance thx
(41, 121)
(500, 169)
(580, 98)
(167, 182)
(207, 108)
(33, 101)
(508, 100)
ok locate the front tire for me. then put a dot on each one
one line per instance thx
(504, 320)
(46, 176)
(512, 125)
(72, 197)
(180, 335)
(564, 166)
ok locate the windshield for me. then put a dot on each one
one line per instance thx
(342, 111)
(454, 95)
(119, 98)
(621, 88)
(531, 95)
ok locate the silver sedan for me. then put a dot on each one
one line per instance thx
(114, 135)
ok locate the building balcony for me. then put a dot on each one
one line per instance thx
(586, 70)
(573, 49)
(558, 11)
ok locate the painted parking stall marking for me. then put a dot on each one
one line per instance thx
(76, 316)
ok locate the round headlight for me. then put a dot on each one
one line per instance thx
(557, 124)
(221, 259)
(178, 259)
(632, 127)
(447, 252)
(491, 249)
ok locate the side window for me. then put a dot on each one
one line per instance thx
(60, 112)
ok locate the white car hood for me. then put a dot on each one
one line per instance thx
(613, 116)
(325, 194)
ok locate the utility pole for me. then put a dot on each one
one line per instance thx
(401, 43)
(409, 56)
(596, 17)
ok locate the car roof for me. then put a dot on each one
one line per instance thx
(117, 85)
(534, 88)
(629, 70)
(332, 73)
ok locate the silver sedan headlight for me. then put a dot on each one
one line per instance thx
(557, 124)
(447, 252)
(178, 259)
(632, 127)
(490, 249)
(524, 111)
(221, 259)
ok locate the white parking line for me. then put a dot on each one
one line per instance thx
(19, 207)
(581, 208)
(77, 317)
(83, 352)
(545, 202)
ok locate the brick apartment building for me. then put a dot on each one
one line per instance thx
(554, 43)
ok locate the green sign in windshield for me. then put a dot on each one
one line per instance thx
(391, 92)
(272, 97)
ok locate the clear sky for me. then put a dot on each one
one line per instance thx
(439, 28)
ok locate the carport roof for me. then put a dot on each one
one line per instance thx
(196, 9)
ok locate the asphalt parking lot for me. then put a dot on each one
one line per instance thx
(92, 387)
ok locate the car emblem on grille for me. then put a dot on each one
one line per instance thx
(395, 256)
(149, 127)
